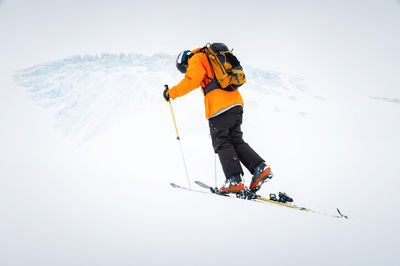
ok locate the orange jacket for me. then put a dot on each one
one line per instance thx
(199, 69)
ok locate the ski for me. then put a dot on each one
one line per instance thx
(273, 200)
(178, 186)
(185, 188)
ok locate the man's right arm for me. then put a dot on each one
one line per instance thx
(193, 78)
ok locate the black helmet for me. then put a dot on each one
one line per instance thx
(182, 61)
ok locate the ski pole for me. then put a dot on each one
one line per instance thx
(179, 140)
(215, 169)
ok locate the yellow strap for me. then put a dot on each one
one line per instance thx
(280, 203)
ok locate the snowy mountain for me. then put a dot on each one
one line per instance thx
(87, 93)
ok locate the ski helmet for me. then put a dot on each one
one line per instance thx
(182, 61)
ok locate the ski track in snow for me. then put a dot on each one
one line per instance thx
(385, 99)
(87, 93)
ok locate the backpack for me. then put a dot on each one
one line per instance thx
(228, 73)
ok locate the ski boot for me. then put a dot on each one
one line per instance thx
(262, 173)
(233, 185)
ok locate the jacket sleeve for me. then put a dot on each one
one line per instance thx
(193, 78)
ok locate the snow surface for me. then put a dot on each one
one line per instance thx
(88, 146)
(108, 134)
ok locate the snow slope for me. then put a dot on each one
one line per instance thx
(88, 148)
(98, 159)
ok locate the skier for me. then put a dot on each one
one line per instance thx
(224, 110)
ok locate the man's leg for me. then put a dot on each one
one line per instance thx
(247, 155)
(220, 127)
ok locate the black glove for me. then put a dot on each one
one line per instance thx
(166, 93)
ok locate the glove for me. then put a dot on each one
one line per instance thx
(166, 93)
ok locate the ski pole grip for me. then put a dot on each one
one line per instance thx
(166, 89)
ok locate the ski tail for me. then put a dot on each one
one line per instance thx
(211, 189)
(202, 185)
(178, 186)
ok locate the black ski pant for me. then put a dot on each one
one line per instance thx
(228, 143)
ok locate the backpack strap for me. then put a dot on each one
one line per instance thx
(213, 83)
(196, 51)
(210, 86)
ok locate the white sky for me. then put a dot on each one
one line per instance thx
(348, 46)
